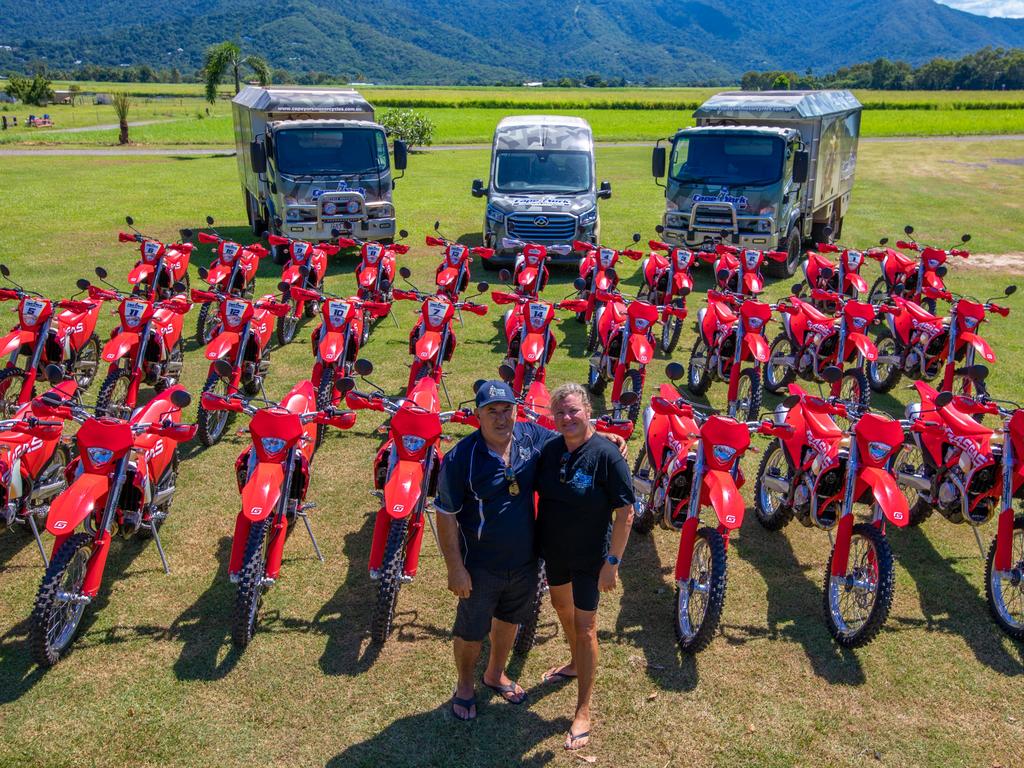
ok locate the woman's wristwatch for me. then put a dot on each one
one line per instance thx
(612, 559)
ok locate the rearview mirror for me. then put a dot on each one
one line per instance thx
(579, 283)
(101, 273)
(179, 287)
(636, 237)
(401, 152)
(437, 225)
(675, 371)
(827, 232)
(883, 241)
(284, 286)
(832, 374)
(54, 374)
(965, 238)
(403, 233)
(209, 221)
(605, 190)
(791, 402)
(797, 288)
(722, 275)
(629, 398)
(1010, 290)
(4, 270)
(186, 233)
(83, 284)
(504, 275)
(801, 164)
(363, 367)
(129, 221)
(506, 372)
(257, 157)
(405, 272)
(344, 385)
(482, 286)
(479, 383)
(908, 230)
(180, 398)
(658, 159)
(943, 399)
(478, 188)
(659, 229)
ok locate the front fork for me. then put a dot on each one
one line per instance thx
(1004, 529)
(844, 529)
(734, 371)
(688, 534)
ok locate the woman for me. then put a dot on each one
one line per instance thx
(582, 483)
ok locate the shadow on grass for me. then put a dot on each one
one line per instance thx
(952, 604)
(794, 606)
(14, 541)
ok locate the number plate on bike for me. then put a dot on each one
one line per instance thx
(436, 310)
(133, 312)
(31, 309)
(337, 312)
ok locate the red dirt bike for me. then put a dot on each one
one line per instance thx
(232, 271)
(915, 275)
(375, 272)
(144, 348)
(432, 340)
(626, 330)
(920, 345)
(667, 280)
(453, 273)
(67, 339)
(730, 333)
(33, 458)
(812, 341)
(597, 270)
(240, 338)
(160, 266)
(273, 478)
(531, 343)
(817, 474)
(685, 449)
(123, 481)
(843, 276)
(739, 269)
(405, 476)
(530, 272)
(305, 268)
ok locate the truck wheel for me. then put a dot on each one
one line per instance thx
(794, 247)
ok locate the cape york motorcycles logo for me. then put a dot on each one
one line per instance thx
(723, 196)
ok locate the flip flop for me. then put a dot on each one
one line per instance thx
(466, 704)
(556, 677)
(503, 690)
(571, 744)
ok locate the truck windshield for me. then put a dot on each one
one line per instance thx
(330, 151)
(747, 161)
(531, 171)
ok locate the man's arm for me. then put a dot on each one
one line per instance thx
(459, 581)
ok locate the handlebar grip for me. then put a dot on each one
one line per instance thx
(633, 254)
(658, 245)
(328, 249)
(501, 297)
(303, 294)
(346, 242)
(399, 248)
(827, 248)
(580, 245)
(904, 245)
(258, 249)
(959, 252)
(435, 241)
(201, 297)
(206, 237)
(1003, 311)
(125, 237)
(275, 239)
(405, 295)
(483, 253)
(8, 293)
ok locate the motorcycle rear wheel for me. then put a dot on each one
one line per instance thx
(644, 515)
(1006, 599)
(12, 381)
(778, 376)
(526, 634)
(770, 507)
(212, 424)
(698, 377)
(86, 362)
(112, 399)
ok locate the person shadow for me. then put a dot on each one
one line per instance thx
(950, 603)
(795, 604)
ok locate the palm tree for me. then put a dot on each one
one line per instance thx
(227, 57)
(122, 101)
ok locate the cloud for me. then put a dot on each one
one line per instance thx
(1013, 9)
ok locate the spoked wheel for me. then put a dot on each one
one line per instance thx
(205, 324)
(595, 381)
(774, 477)
(287, 327)
(699, 600)
(87, 362)
(634, 382)
(698, 377)
(853, 388)
(911, 462)
(390, 581)
(324, 396)
(780, 370)
(176, 357)
(251, 583)
(879, 291)
(526, 635)
(112, 399)
(59, 603)
(211, 424)
(671, 328)
(1005, 589)
(748, 395)
(857, 604)
(884, 376)
(644, 513)
(593, 335)
(12, 380)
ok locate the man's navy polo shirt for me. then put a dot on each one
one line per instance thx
(496, 528)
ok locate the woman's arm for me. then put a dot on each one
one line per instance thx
(620, 535)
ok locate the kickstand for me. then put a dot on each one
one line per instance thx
(445, 388)
(433, 530)
(39, 540)
(301, 512)
(159, 546)
(831, 543)
(461, 324)
(391, 314)
(977, 538)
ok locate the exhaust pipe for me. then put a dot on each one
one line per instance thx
(917, 482)
(775, 484)
(162, 496)
(48, 491)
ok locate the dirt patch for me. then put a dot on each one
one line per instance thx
(1012, 263)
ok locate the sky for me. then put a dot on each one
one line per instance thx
(1009, 8)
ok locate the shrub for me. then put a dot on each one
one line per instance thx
(35, 90)
(411, 127)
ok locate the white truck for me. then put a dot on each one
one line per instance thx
(772, 169)
(313, 162)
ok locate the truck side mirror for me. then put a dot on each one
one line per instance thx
(478, 188)
(801, 165)
(257, 157)
(401, 155)
(658, 159)
(605, 191)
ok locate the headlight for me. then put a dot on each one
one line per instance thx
(273, 444)
(330, 209)
(677, 220)
(724, 452)
(494, 215)
(879, 451)
(412, 443)
(763, 225)
(100, 455)
(352, 206)
(386, 211)
(588, 218)
(293, 214)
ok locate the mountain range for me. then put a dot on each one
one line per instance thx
(454, 41)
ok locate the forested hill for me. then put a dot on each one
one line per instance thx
(463, 41)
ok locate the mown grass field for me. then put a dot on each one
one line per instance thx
(153, 680)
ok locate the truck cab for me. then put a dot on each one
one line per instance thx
(542, 186)
(767, 170)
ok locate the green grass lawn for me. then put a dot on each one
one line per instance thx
(153, 672)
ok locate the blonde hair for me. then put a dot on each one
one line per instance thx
(565, 391)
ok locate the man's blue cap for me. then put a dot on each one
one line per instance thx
(494, 391)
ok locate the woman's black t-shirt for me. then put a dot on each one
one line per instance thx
(573, 517)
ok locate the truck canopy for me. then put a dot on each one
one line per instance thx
(553, 132)
(287, 102)
(775, 105)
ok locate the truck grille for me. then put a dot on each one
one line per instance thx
(713, 217)
(342, 202)
(541, 227)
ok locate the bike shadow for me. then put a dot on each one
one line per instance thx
(952, 604)
(201, 630)
(794, 606)
(14, 542)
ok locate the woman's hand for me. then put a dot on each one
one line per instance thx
(621, 444)
(460, 583)
(608, 578)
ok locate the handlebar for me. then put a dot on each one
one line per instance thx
(127, 237)
(827, 248)
(903, 245)
(1003, 311)
(9, 293)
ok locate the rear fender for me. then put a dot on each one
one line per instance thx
(979, 344)
(863, 344)
(119, 346)
(262, 492)
(757, 346)
(76, 502)
(403, 488)
(640, 348)
(221, 344)
(886, 494)
(719, 490)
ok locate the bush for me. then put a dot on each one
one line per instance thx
(408, 126)
(35, 90)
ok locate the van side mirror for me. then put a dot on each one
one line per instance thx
(801, 165)
(478, 188)
(258, 157)
(658, 160)
(605, 191)
(401, 155)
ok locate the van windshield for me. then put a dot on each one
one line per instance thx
(531, 171)
(330, 151)
(741, 161)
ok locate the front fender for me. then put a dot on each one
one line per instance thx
(76, 502)
(119, 346)
(752, 282)
(447, 277)
(887, 494)
(263, 491)
(640, 348)
(681, 281)
(757, 346)
(403, 488)
(853, 279)
(533, 347)
(427, 345)
(368, 277)
(218, 274)
(528, 276)
(14, 340)
(719, 490)
(140, 274)
(331, 346)
(979, 344)
(291, 275)
(864, 345)
(221, 344)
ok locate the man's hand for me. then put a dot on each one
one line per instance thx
(620, 444)
(609, 577)
(460, 583)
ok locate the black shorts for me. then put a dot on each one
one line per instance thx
(506, 595)
(585, 594)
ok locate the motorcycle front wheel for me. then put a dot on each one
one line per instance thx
(699, 600)
(390, 582)
(857, 604)
(1005, 590)
(59, 608)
